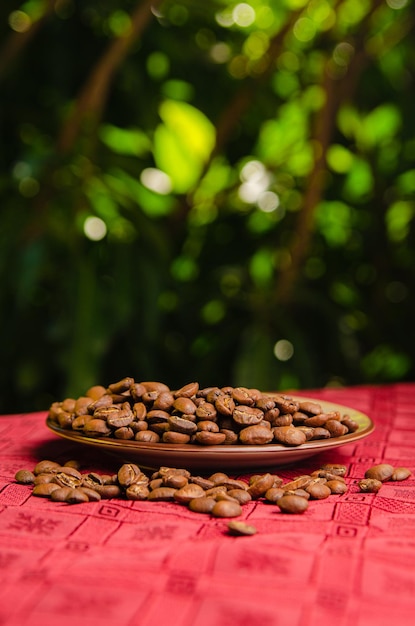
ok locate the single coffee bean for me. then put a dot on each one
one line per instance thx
(301, 482)
(60, 495)
(318, 491)
(247, 415)
(187, 391)
(95, 392)
(122, 385)
(274, 494)
(256, 435)
(137, 491)
(205, 483)
(40, 479)
(312, 408)
(25, 477)
(370, 485)
(260, 486)
(172, 436)
(45, 467)
(336, 428)
(129, 473)
(289, 435)
(206, 438)
(44, 490)
(241, 495)
(67, 480)
(174, 480)
(226, 508)
(237, 527)
(292, 504)
(162, 494)
(382, 472)
(202, 505)
(297, 492)
(96, 428)
(93, 496)
(337, 487)
(225, 405)
(107, 492)
(188, 493)
(401, 473)
(147, 436)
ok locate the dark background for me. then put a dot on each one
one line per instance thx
(198, 283)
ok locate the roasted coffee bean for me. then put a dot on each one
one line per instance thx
(206, 438)
(318, 491)
(129, 473)
(337, 486)
(206, 411)
(188, 493)
(297, 492)
(96, 428)
(312, 408)
(187, 391)
(147, 436)
(137, 491)
(231, 436)
(45, 467)
(241, 495)
(370, 485)
(284, 419)
(202, 505)
(247, 415)
(67, 480)
(260, 486)
(401, 473)
(336, 428)
(96, 392)
(93, 496)
(273, 494)
(257, 435)
(44, 490)
(162, 494)
(289, 435)
(171, 436)
(301, 482)
(25, 477)
(107, 492)
(235, 527)
(174, 480)
(382, 472)
(226, 508)
(181, 425)
(60, 495)
(292, 504)
(41, 479)
(225, 405)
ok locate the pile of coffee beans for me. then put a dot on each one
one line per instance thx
(151, 412)
(218, 495)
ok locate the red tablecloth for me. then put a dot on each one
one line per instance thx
(348, 560)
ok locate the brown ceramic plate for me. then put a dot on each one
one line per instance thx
(234, 457)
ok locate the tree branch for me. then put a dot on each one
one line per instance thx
(92, 98)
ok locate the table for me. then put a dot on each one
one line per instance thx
(348, 560)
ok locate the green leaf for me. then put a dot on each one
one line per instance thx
(131, 142)
(182, 143)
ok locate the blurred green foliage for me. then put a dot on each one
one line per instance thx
(214, 191)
